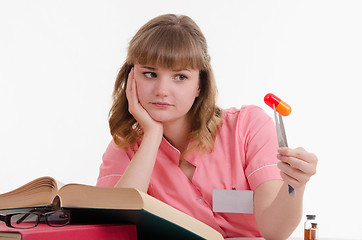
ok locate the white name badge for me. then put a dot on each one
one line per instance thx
(233, 201)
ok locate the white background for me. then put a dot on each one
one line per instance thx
(59, 60)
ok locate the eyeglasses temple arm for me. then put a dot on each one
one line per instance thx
(20, 220)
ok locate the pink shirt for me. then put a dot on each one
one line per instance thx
(244, 156)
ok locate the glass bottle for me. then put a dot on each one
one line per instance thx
(308, 226)
(314, 232)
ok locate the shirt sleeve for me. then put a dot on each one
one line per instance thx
(115, 162)
(261, 146)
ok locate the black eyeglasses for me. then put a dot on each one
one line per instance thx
(31, 219)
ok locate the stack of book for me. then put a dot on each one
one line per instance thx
(71, 232)
(98, 211)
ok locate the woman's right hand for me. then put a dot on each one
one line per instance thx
(137, 110)
(139, 170)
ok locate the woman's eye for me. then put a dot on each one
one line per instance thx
(150, 74)
(180, 77)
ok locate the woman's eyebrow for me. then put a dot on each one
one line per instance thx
(149, 68)
(174, 70)
(179, 70)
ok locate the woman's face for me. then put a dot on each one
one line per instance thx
(166, 94)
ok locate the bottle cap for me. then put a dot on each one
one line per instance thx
(311, 217)
(314, 225)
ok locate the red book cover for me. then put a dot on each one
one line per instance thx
(70, 232)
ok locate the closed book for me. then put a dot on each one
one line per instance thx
(70, 232)
(98, 205)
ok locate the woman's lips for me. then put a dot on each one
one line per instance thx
(161, 104)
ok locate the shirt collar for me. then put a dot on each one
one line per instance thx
(174, 154)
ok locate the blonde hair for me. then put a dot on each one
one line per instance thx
(174, 42)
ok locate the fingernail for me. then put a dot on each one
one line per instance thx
(281, 149)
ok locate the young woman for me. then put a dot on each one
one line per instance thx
(172, 141)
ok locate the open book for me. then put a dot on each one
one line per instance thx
(98, 205)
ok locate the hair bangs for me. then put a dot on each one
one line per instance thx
(171, 48)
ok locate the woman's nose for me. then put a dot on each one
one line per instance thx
(162, 87)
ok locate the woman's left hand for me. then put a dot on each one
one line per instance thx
(296, 165)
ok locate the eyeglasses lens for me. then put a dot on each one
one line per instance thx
(24, 220)
(58, 218)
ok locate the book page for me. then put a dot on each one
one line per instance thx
(10, 236)
(39, 192)
(59, 184)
